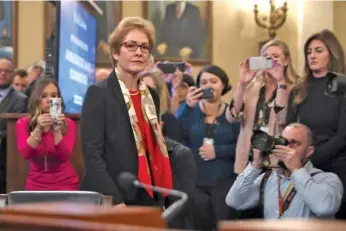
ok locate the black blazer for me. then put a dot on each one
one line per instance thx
(14, 102)
(184, 179)
(108, 143)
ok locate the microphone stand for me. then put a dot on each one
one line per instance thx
(173, 209)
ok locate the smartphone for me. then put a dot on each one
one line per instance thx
(207, 93)
(55, 108)
(260, 63)
(170, 67)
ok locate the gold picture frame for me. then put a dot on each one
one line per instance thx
(8, 29)
(193, 43)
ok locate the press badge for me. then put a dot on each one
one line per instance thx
(208, 141)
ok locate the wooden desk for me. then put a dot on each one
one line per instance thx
(17, 167)
(24, 223)
(139, 216)
(283, 225)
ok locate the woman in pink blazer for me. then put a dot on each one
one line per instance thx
(45, 143)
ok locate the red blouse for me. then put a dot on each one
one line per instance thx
(49, 164)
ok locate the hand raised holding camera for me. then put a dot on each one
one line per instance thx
(177, 79)
(193, 96)
(246, 75)
(60, 122)
(44, 120)
(288, 156)
(277, 72)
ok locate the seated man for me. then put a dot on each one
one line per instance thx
(297, 191)
(184, 179)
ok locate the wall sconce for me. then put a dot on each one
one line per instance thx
(274, 21)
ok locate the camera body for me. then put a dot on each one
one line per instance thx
(260, 63)
(335, 84)
(207, 93)
(171, 67)
(266, 143)
(55, 108)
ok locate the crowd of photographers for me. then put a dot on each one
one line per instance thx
(282, 134)
(276, 150)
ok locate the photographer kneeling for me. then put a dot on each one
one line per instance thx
(295, 190)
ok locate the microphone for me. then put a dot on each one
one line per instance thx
(129, 182)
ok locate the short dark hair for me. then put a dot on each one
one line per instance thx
(217, 71)
(21, 73)
(188, 79)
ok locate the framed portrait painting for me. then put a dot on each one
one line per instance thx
(183, 30)
(8, 29)
(105, 25)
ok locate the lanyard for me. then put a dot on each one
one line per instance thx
(210, 126)
(285, 200)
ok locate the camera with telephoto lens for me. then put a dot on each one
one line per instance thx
(266, 143)
(335, 84)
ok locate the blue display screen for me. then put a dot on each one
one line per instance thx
(77, 54)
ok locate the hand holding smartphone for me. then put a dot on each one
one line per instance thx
(55, 108)
(260, 63)
(207, 93)
(170, 67)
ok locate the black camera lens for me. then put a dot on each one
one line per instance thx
(262, 141)
(265, 143)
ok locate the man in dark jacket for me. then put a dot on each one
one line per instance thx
(37, 70)
(11, 101)
(184, 179)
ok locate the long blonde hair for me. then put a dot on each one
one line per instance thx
(336, 61)
(35, 99)
(291, 76)
(161, 86)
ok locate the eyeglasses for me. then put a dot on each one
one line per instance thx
(132, 46)
(5, 71)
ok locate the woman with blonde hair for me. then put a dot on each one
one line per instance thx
(324, 115)
(120, 122)
(171, 126)
(260, 98)
(154, 80)
(47, 144)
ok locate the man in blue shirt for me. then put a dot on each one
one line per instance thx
(298, 191)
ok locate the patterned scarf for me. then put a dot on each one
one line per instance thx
(159, 170)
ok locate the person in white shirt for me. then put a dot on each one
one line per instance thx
(297, 191)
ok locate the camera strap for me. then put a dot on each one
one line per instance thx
(283, 201)
(262, 187)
